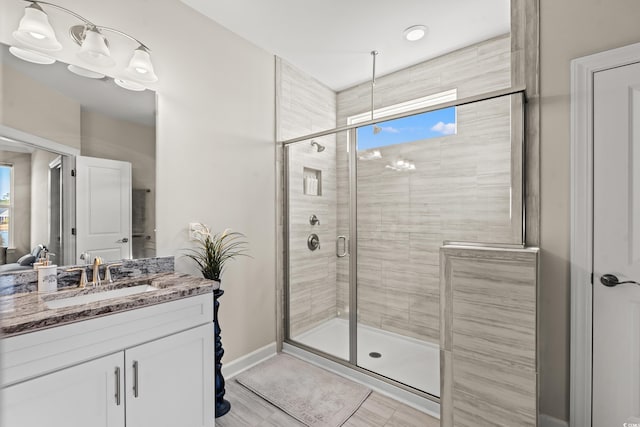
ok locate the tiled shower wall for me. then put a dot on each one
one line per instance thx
(460, 189)
(306, 106)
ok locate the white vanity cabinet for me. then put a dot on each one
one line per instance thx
(78, 396)
(167, 381)
(149, 367)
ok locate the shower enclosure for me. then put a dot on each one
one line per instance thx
(366, 210)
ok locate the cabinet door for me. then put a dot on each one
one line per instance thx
(80, 396)
(170, 381)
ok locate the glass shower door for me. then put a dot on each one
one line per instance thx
(452, 174)
(317, 244)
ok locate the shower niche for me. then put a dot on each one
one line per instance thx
(311, 182)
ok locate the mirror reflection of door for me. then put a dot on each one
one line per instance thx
(103, 209)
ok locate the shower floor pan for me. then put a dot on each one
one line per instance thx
(407, 360)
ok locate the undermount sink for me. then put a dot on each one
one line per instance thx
(99, 296)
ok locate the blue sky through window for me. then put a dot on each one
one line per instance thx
(412, 128)
(5, 180)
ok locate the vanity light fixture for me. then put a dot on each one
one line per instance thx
(129, 85)
(94, 47)
(140, 67)
(370, 155)
(31, 55)
(415, 33)
(38, 38)
(401, 165)
(85, 72)
(35, 31)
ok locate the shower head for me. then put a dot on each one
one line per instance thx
(319, 147)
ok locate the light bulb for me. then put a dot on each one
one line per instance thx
(37, 35)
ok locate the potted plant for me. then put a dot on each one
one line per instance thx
(211, 255)
(215, 249)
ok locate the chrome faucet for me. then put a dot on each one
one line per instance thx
(97, 262)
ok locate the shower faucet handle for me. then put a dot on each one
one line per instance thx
(313, 220)
(313, 242)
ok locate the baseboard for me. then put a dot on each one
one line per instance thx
(548, 421)
(241, 364)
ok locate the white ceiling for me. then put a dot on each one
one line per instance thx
(332, 39)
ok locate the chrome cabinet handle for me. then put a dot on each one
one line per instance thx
(136, 385)
(118, 386)
(612, 280)
(344, 247)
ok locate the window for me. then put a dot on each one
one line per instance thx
(6, 205)
(417, 127)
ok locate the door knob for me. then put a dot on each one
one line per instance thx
(123, 240)
(612, 280)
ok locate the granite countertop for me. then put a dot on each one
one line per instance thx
(22, 313)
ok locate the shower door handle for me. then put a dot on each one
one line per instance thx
(344, 246)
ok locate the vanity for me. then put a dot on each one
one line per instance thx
(138, 352)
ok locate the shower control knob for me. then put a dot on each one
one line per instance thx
(313, 220)
(313, 242)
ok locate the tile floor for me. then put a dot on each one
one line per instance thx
(250, 410)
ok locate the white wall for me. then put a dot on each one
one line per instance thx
(27, 107)
(305, 105)
(568, 29)
(215, 146)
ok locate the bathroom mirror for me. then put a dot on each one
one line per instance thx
(48, 117)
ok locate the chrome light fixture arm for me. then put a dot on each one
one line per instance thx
(77, 33)
(88, 24)
(64, 9)
(113, 30)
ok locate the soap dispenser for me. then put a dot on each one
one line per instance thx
(47, 273)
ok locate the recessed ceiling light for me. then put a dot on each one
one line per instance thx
(415, 32)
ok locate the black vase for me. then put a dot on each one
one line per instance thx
(222, 406)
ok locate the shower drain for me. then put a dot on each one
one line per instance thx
(375, 355)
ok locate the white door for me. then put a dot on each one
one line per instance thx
(103, 209)
(170, 382)
(616, 247)
(80, 396)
